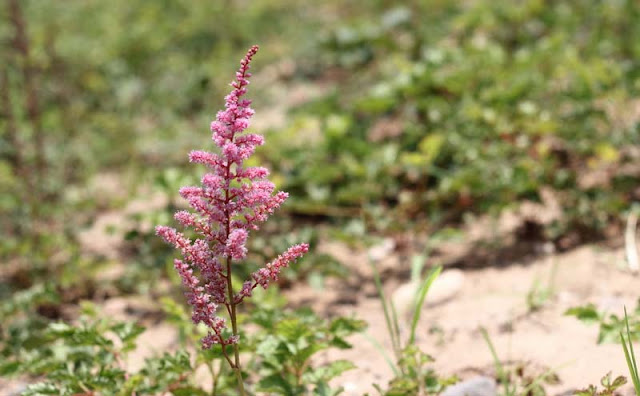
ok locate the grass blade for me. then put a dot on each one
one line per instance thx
(384, 354)
(502, 375)
(630, 355)
(383, 299)
(417, 263)
(395, 323)
(422, 294)
(494, 354)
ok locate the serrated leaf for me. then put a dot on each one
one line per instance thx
(128, 333)
(275, 383)
(323, 389)
(267, 346)
(336, 368)
(345, 326)
(618, 382)
(292, 329)
(131, 384)
(302, 355)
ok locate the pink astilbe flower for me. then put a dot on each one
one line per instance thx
(231, 201)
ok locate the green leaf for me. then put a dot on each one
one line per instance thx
(402, 387)
(291, 329)
(323, 389)
(301, 355)
(9, 368)
(275, 383)
(340, 343)
(430, 146)
(379, 389)
(422, 294)
(188, 391)
(43, 389)
(128, 333)
(587, 313)
(345, 326)
(630, 355)
(589, 391)
(27, 300)
(60, 328)
(618, 382)
(336, 368)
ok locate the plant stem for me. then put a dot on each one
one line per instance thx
(422, 294)
(234, 327)
(395, 342)
(502, 375)
(630, 355)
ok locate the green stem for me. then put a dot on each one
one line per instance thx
(395, 342)
(502, 374)
(234, 326)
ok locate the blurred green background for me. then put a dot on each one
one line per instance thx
(397, 116)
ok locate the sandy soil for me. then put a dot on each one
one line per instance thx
(490, 297)
(495, 298)
(489, 292)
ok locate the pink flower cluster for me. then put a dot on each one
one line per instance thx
(231, 201)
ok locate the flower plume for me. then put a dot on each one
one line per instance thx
(231, 201)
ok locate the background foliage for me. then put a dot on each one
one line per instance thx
(426, 111)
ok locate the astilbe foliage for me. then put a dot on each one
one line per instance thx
(231, 202)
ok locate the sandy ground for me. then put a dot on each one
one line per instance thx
(489, 297)
(495, 298)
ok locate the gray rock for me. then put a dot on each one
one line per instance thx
(476, 386)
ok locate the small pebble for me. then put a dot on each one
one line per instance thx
(476, 386)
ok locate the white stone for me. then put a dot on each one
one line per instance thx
(444, 288)
(476, 386)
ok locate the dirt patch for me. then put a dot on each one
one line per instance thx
(495, 298)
